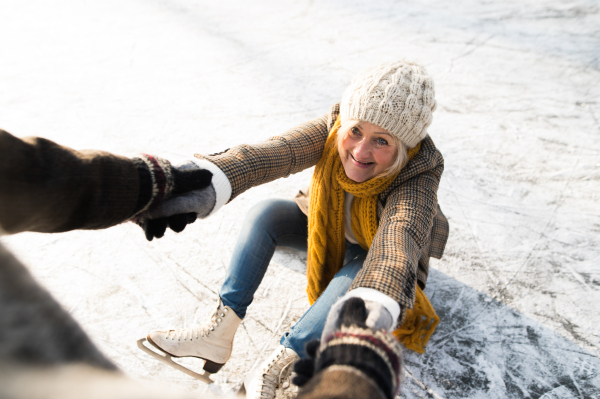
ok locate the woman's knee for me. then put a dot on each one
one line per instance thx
(275, 216)
(266, 209)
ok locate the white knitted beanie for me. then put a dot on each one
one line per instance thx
(398, 97)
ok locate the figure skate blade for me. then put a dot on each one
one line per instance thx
(168, 360)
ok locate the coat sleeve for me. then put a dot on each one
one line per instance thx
(46, 187)
(404, 232)
(36, 329)
(247, 166)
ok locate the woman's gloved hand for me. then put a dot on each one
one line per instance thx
(377, 317)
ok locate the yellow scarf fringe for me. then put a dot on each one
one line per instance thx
(326, 243)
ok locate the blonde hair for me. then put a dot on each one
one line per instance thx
(401, 156)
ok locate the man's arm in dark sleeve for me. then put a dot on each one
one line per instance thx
(46, 187)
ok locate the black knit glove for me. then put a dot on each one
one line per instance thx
(351, 313)
(158, 227)
(375, 354)
(304, 368)
(159, 181)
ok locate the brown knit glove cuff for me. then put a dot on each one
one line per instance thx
(377, 354)
(156, 182)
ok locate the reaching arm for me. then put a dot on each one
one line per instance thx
(405, 226)
(46, 187)
(240, 168)
(247, 166)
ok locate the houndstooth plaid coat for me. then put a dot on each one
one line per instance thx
(412, 227)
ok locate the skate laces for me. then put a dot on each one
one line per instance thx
(201, 330)
(274, 373)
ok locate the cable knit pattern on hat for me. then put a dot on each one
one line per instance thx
(398, 97)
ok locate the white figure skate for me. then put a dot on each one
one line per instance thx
(211, 341)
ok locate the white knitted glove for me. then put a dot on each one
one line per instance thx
(378, 317)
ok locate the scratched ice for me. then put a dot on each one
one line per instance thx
(517, 122)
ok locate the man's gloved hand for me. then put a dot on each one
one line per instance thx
(350, 312)
(192, 196)
(304, 369)
(374, 354)
(158, 227)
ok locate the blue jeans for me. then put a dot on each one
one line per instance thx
(270, 224)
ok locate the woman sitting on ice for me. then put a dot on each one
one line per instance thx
(369, 222)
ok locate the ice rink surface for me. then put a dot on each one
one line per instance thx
(518, 122)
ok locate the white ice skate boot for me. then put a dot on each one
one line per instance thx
(268, 378)
(211, 341)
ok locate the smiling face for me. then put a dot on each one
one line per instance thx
(367, 150)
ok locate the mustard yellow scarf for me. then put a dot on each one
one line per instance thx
(326, 243)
